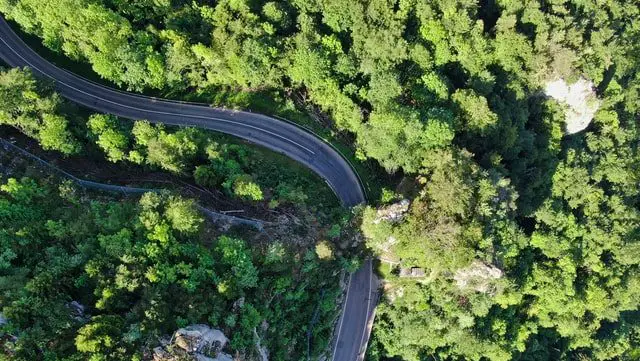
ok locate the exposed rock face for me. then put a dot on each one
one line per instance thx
(393, 213)
(78, 311)
(580, 98)
(262, 350)
(221, 357)
(193, 343)
(238, 304)
(478, 277)
(160, 354)
(197, 338)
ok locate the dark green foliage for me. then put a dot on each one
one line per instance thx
(446, 90)
(142, 269)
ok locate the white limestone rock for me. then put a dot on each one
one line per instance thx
(478, 276)
(196, 338)
(393, 213)
(580, 98)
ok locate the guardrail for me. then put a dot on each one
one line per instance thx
(301, 126)
(346, 159)
(258, 224)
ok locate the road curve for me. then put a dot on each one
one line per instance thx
(269, 132)
(354, 325)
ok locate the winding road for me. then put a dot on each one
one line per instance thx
(354, 325)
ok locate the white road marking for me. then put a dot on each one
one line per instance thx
(360, 354)
(344, 306)
(156, 111)
(366, 320)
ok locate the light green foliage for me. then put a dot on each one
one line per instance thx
(245, 187)
(100, 337)
(477, 116)
(569, 285)
(171, 151)
(110, 137)
(402, 127)
(274, 12)
(444, 227)
(357, 59)
(448, 92)
(34, 109)
(310, 68)
(292, 195)
(183, 215)
(87, 30)
(324, 250)
(235, 255)
(573, 286)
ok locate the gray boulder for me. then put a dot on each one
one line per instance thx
(197, 338)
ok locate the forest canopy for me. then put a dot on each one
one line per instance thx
(141, 268)
(529, 237)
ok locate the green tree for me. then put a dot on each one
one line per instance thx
(34, 109)
(109, 136)
(244, 187)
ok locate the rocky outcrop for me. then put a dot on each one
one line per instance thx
(262, 350)
(160, 354)
(193, 343)
(198, 338)
(78, 311)
(220, 357)
(392, 213)
(479, 277)
(580, 98)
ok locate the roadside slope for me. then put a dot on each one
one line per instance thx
(277, 135)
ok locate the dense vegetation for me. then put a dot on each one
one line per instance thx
(447, 92)
(143, 268)
(35, 109)
(406, 77)
(211, 160)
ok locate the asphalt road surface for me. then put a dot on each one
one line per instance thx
(272, 133)
(355, 323)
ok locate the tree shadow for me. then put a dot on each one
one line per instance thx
(522, 145)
